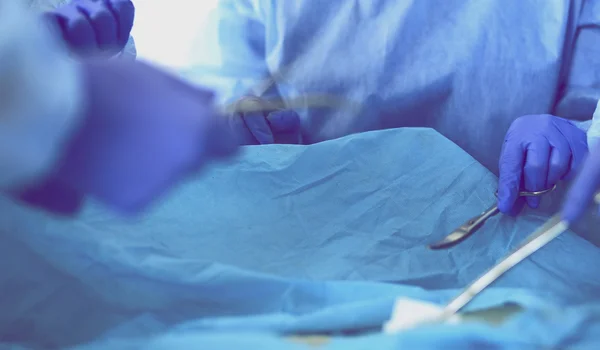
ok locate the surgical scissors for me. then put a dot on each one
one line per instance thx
(552, 228)
(465, 230)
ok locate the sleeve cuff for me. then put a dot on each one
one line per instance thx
(593, 130)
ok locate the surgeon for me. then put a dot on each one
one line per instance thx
(118, 131)
(507, 81)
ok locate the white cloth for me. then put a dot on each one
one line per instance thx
(594, 130)
(39, 92)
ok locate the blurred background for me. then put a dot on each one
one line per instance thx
(166, 32)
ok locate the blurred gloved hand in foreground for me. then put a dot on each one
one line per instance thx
(94, 27)
(265, 127)
(538, 152)
(584, 188)
(143, 132)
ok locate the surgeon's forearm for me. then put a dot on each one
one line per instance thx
(40, 102)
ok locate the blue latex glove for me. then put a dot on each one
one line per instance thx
(263, 128)
(143, 132)
(584, 187)
(94, 27)
(538, 151)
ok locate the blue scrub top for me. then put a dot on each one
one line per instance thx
(465, 68)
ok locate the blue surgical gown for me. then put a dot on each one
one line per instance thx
(466, 68)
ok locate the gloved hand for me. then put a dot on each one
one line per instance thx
(94, 27)
(143, 132)
(585, 186)
(538, 151)
(261, 128)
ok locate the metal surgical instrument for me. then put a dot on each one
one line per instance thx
(465, 230)
(542, 236)
(551, 229)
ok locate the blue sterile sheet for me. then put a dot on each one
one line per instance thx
(293, 240)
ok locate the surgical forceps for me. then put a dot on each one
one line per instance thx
(465, 230)
(551, 229)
